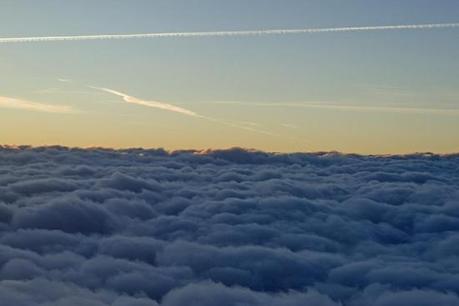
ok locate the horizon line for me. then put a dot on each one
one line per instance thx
(205, 151)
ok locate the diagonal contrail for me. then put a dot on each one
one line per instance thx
(154, 104)
(178, 109)
(7, 40)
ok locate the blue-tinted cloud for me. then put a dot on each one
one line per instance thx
(233, 227)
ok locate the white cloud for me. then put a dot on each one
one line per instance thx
(14, 103)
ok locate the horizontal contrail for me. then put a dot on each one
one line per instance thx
(227, 33)
(355, 108)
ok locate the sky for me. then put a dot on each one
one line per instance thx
(369, 91)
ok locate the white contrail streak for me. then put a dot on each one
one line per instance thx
(352, 108)
(7, 40)
(177, 109)
(154, 104)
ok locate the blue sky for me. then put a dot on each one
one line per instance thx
(366, 92)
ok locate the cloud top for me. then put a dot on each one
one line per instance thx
(233, 227)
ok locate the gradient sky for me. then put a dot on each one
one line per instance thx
(365, 92)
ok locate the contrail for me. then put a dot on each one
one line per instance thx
(154, 104)
(7, 40)
(177, 109)
(354, 108)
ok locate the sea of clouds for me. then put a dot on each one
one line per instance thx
(232, 227)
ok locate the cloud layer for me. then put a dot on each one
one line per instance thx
(233, 227)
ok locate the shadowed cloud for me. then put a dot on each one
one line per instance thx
(233, 227)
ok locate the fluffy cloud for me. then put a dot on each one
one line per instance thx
(228, 227)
